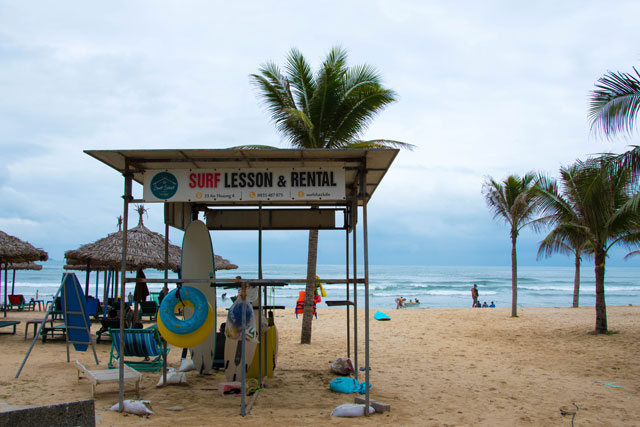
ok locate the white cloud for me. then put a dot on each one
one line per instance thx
(485, 89)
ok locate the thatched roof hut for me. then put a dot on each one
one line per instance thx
(14, 250)
(145, 249)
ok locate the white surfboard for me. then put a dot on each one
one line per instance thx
(233, 356)
(198, 263)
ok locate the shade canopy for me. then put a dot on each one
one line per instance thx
(14, 250)
(372, 162)
(24, 266)
(145, 249)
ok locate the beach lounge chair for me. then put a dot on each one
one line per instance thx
(5, 323)
(18, 302)
(137, 343)
(148, 308)
(103, 376)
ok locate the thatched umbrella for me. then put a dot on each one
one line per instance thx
(22, 266)
(145, 249)
(14, 250)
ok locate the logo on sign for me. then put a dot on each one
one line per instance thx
(164, 185)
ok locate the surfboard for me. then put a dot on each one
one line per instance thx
(270, 337)
(381, 316)
(73, 304)
(233, 357)
(412, 304)
(198, 263)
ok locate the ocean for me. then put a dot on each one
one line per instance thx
(435, 287)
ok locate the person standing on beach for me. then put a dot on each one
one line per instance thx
(474, 295)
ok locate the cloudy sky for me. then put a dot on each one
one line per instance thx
(485, 89)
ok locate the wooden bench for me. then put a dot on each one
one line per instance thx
(104, 376)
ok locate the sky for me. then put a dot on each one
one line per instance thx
(485, 89)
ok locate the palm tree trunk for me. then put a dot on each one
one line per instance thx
(310, 289)
(514, 277)
(601, 306)
(576, 282)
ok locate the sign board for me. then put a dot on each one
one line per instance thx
(246, 184)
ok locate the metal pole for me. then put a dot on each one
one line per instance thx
(123, 290)
(166, 276)
(366, 296)
(347, 287)
(86, 286)
(262, 345)
(355, 291)
(5, 289)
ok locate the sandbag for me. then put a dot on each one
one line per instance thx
(186, 365)
(138, 407)
(173, 377)
(342, 366)
(350, 410)
(347, 385)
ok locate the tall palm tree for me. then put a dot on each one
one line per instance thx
(615, 103)
(614, 108)
(512, 200)
(558, 208)
(329, 109)
(606, 214)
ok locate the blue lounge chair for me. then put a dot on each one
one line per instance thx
(5, 323)
(137, 343)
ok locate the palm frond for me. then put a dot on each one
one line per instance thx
(377, 144)
(615, 103)
(253, 147)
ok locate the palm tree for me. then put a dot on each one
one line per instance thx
(606, 214)
(558, 208)
(615, 103)
(513, 201)
(614, 108)
(328, 109)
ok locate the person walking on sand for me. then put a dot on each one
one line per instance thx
(474, 295)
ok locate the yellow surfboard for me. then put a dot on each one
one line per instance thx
(270, 337)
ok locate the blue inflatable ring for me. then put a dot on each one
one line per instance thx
(191, 297)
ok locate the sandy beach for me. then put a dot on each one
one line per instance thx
(435, 367)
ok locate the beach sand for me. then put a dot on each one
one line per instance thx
(435, 367)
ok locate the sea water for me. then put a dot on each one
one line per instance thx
(435, 287)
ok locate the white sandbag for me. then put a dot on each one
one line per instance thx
(173, 377)
(138, 407)
(186, 365)
(350, 410)
(342, 366)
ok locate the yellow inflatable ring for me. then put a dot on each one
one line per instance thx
(191, 340)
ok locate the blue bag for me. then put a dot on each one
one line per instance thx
(347, 385)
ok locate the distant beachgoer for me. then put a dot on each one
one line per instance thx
(130, 298)
(400, 303)
(411, 300)
(484, 304)
(417, 302)
(474, 295)
(224, 296)
(492, 305)
(163, 292)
